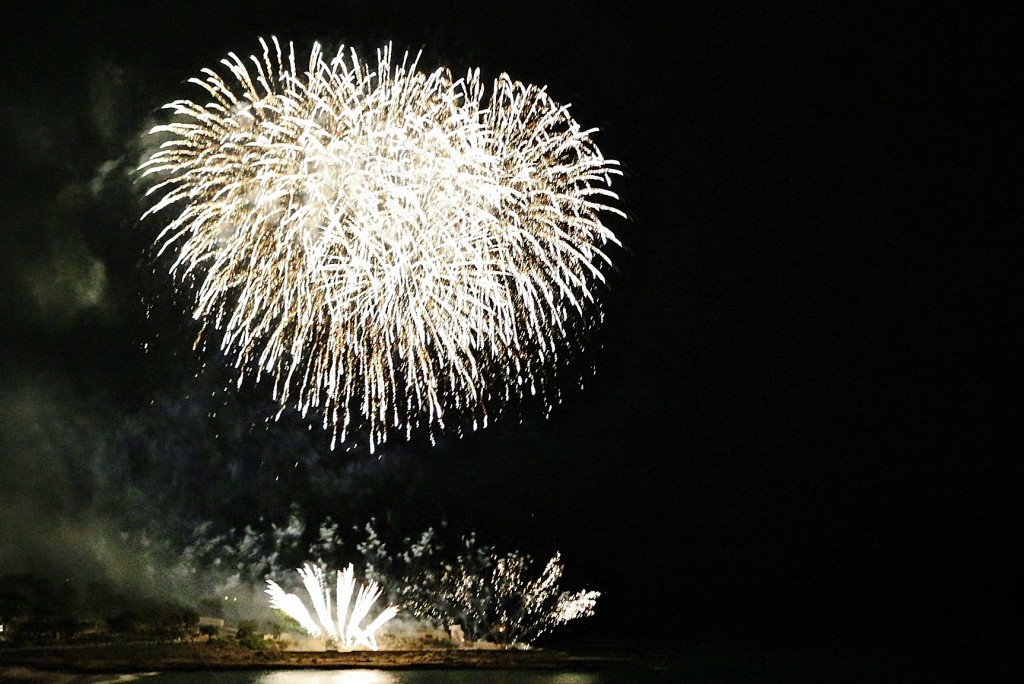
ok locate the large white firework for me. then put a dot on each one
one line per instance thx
(342, 625)
(390, 246)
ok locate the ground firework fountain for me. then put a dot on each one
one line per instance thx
(343, 625)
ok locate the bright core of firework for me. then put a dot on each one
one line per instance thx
(344, 623)
(389, 246)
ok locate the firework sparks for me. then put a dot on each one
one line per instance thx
(389, 246)
(347, 630)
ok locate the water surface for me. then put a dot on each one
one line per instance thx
(385, 677)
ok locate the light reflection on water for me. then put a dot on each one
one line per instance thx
(376, 677)
(330, 677)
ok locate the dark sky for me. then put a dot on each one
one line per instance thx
(804, 422)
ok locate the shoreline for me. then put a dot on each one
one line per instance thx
(75, 663)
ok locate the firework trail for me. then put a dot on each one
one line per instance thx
(389, 246)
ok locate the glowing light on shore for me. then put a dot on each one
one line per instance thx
(343, 626)
(390, 247)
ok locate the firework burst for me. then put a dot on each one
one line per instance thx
(344, 626)
(389, 246)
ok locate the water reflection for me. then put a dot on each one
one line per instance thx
(425, 676)
(330, 677)
(573, 678)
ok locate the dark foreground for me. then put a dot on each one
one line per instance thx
(62, 663)
(84, 664)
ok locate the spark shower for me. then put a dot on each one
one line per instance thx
(390, 247)
(342, 625)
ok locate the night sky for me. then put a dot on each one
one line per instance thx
(802, 424)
